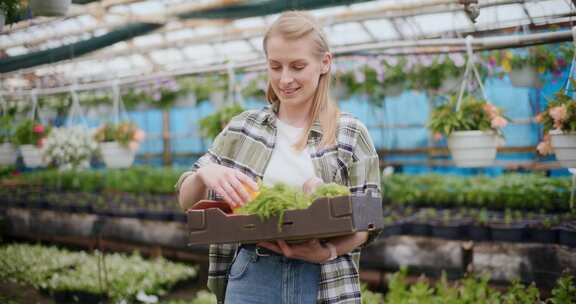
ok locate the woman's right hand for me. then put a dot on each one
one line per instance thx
(229, 183)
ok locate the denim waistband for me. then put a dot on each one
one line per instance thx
(260, 251)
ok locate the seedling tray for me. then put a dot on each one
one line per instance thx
(212, 222)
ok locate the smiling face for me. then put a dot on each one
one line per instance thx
(294, 69)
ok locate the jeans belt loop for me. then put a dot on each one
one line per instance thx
(258, 253)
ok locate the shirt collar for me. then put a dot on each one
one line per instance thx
(269, 116)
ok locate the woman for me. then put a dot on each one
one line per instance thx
(301, 139)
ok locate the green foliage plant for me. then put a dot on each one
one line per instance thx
(474, 114)
(213, 124)
(30, 132)
(558, 116)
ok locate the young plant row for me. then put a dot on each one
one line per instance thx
(113, 276)
(513, 191)
(467, 291)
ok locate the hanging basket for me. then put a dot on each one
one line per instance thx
(115, 155)
(473, 148)
(32, 156)
(564, 145)
(526, 76)
(50, 8)
(8, 154)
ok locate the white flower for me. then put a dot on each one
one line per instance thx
(69, 147)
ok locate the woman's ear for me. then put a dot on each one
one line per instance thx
(326, 62)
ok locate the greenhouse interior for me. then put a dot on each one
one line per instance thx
(122, 123)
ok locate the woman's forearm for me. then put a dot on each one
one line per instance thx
(347, 243)
(191, 191)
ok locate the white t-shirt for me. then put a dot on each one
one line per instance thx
(287, 165)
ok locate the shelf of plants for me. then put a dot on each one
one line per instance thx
(513, 207)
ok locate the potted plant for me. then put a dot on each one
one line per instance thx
(448, 226)
(559, 124)
(8, 153)
(30, 137)
(118, 143)
(50, 8)
(9, 11)
(213, 124)
(541, 230)
(509, 228)
(70, 148)
(525, 69)
(473, 131)
(479, 229)
(441, 74)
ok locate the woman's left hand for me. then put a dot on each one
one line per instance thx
(310, 251)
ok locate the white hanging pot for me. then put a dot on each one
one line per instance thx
(526, 76)
(115, 155)
(8, 154)
(473, 148)
(393, 90)
(564, 145)
(50, 8)
(32, 156)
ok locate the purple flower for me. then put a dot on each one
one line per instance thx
(457, 58)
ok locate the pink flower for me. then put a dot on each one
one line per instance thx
(139, 135)
(539, 118)
(491, 110)
(437, 136)
(544, 148)
(558, 113)
(38, 129)
(133, 145)
(498, 122)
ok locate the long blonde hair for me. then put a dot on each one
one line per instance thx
(293, 25)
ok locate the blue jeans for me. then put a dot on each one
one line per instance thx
(270, 279)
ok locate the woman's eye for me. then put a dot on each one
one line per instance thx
(275, 68)
(299, 67)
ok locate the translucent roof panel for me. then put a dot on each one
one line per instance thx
(347, 33)
(180, 34)
(148, 40)
(198, 51)
(138, 60)
(501, 16)
(442, 22)
(382, 29)
(546, 8)
(17, 50)
(249, 22)
(232, 48)
(166, 56)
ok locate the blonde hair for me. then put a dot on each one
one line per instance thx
(294, 25)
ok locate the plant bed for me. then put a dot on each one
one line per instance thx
(79, 297)
(478, 233)
(448, 231)
(540, 235)
(567, 235)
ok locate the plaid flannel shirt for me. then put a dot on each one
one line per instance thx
(246, 144)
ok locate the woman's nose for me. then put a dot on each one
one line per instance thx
(286, 77)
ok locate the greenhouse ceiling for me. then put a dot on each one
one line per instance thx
(129, 39)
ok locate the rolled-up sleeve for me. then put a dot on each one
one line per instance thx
(212, 156)
(364, 170)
